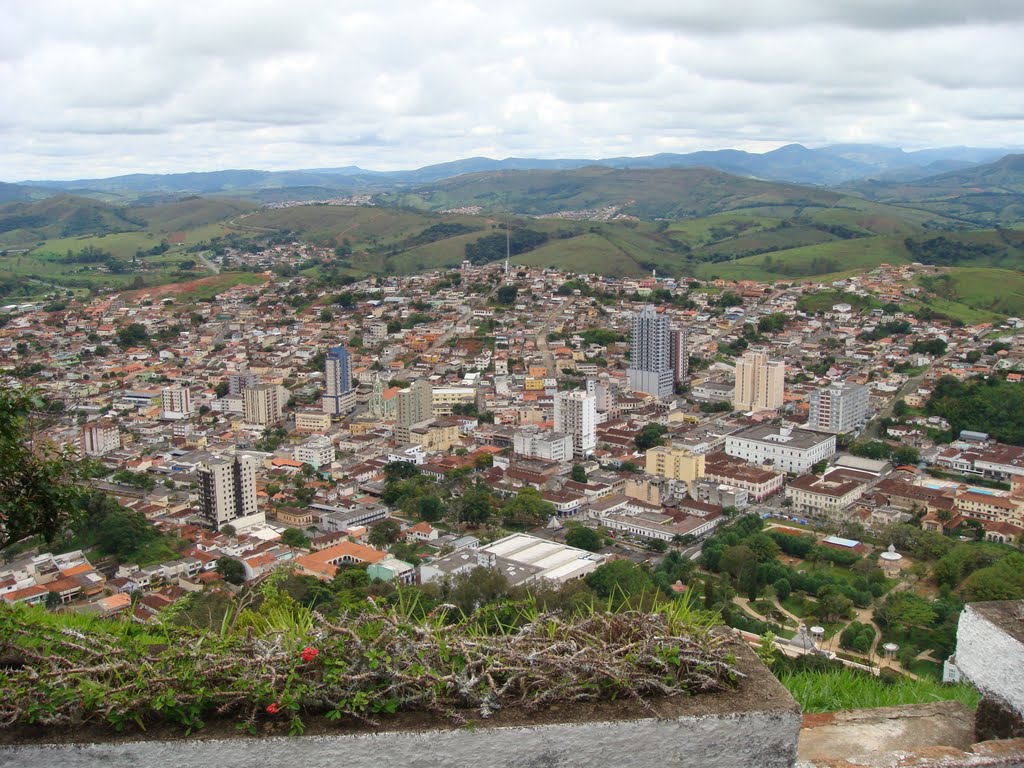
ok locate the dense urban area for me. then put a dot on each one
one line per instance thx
(814, 462)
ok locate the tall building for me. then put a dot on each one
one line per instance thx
(535, 443)
(840, 407)
(415, 404)
(99, 437)
(680, 464)
(264, 404)
(650, 366)
(175, 402)
(576, 416)
(339, 398)
(227, 492)
(240, 381)
(759, 383)
(678, 354)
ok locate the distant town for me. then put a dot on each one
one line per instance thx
(528, 420)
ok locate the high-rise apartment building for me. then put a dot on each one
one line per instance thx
(339, 398)
(264, 404)
(100, 437)
(227, 492)
(680, 464)
(650, 365)
(840, 407)
(175, 402)
(678, 354)
(415, 404)
(759, 383)
(576, 416)
(241, 381)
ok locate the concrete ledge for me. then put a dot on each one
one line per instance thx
(757, 725)
(989, 754)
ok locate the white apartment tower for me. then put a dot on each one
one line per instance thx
(415, 404)
(227, 492)
(100, 437)
(650, 363)
(175, 402)
(759, 383)
(840, 407)
(264, 404)
(576, 416)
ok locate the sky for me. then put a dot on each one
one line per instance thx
(98, 88)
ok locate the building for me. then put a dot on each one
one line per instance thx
(339, 398)
(825, 496)
(316, 451)
(434, 435)
(535, 443)
(576, 416)
(241, 381)
(175, 402)
(100, 437)
(759, 383)
(443, 398)
(263, 404)
(415, 404)
(679, 464)
(678, 354)
(227, 492)
(650, 359)
(786, 449)
(840, 407)
(759, 482)
(309, 421)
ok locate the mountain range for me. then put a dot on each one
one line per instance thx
(794, 163)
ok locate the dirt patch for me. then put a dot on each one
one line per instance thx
(189, 286)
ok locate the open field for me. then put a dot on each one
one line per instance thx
(201, 289)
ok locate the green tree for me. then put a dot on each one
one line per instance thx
(384, 533)
(132, 335)
(293, 537)
(124, 532)
(584, 538)
(506, 295)
(231, 570)
(579, 474)
(905, 454)
(400, 470)
(782, 588)
(527, 508)
(619, 580)
(649, 437)
(38, 483)
(475, 506)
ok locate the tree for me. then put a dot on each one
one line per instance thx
(649, 437)
(584, 538)
(833, 604)
(124, 532)
(430, 508)
(619, 579)
(228, 530)
(475, 506)
(579, 474)
(506, 295)
(735, 558)
(782, 589)
(231, 570)
(906, 454)
(527, 508)
(38, 483)
(400, 470)
(132, 335)
(384, 533)
(293, 537)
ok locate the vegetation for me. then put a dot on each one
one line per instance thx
(277, 660)
(986, 405)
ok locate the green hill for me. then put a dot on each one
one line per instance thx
(190, 213)
(24, 224)
(650, 193)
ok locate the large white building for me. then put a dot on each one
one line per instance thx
(787, 449)
(650, 359)
(760, 383)
(227, 492)
(100, 437)
(263, 404)
(535, 443)
(175, 402)
(415, 404)
(840, 407)
(317, 451)
(576, 416)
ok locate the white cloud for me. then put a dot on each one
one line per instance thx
(105, 87)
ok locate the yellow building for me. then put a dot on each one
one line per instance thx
(679, 464)
(435, 435)
(533, 384)
(310, 422)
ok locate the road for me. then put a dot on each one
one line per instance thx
(872, 430)
(207, 263)
(543, 347)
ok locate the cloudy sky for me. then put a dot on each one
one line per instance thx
(103, 88)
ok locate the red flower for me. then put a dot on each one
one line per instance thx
(308, 654)
(273, 708)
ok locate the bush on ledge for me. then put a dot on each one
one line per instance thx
(287, 662)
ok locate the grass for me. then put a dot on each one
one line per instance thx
(842, 689)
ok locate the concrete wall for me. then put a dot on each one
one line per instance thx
(766, 739)
(989, 654)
